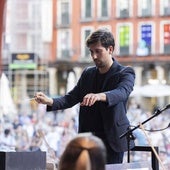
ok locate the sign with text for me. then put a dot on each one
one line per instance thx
(23, 61)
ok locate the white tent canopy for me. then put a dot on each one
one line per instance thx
(7, 106)
(151, 90)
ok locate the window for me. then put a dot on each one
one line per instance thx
(34, 42)
(165, 7)
(165, 37)
(34, 10)
(46, 15)
(63, 13)
(145, 42)
(103, 9)
(166, 31)
(64, 47)
(84, 50)
(86, 6)
(124, 33)
(145, 8)
(124, 8)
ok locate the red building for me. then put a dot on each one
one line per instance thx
(141, 29)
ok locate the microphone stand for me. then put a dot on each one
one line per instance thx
(129, 134)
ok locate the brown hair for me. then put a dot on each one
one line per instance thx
(84, 152)
(102, 35)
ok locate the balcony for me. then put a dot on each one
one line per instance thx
(162, 59)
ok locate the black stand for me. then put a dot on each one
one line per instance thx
(129, 134)
(129, 137)
(154, 161)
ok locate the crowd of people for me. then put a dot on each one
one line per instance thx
(22, 132)
(155, 131)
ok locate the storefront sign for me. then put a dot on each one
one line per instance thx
(23, 61)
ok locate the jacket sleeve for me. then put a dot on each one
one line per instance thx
(123, 89)
(66, 101)
(70, 99)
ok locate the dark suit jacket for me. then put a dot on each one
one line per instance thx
(117, 86)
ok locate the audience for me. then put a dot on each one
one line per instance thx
(84, 152)
(7, 141)
(58, 133)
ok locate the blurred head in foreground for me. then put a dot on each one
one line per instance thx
(84, 152)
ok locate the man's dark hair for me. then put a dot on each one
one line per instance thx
(103, 35)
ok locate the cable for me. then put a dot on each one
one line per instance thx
(156, 130)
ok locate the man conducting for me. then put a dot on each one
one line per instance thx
(102, 92)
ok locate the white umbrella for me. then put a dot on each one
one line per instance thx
(155, 90)
(7, 105)
(136, 91)
(71, 82)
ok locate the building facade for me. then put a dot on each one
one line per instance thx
(54, 31)
(142, 34)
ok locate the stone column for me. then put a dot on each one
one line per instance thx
(138, 72)
(78, 71)
(53, 81)
(160, 73)
(138, 83)
(160, 76)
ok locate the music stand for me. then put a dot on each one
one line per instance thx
(129, 133)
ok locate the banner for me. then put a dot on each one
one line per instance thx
(23, 61)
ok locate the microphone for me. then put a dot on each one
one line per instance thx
(167, 106)
(158, 111)
(169, 125)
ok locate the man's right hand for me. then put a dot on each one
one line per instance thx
(43, 99)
